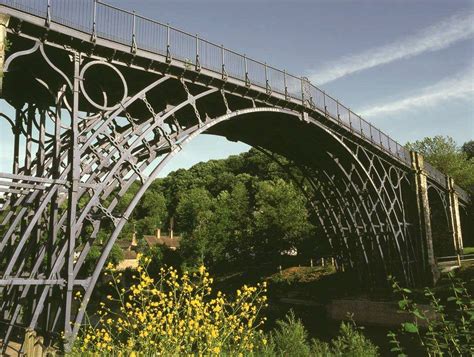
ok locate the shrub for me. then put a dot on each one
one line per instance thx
(449, 331)
(115, 257)
(291, 339)
(174, 315)
(350, 342)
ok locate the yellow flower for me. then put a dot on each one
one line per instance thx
(202, 269)
(174, 313)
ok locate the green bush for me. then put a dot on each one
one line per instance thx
(290, 338)
(115, 257)
(449, 330)
(350, 342)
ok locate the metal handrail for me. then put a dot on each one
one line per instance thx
(449, 258)
(125, 27)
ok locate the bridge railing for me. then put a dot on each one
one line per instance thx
(435, 174)
(109, 22)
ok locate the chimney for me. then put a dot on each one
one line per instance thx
(158, 233)
(134, 241)
(171, 227)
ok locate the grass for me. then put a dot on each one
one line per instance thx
(301, 274)
(468, 250)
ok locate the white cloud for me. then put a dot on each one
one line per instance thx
(459, 86)
(436, 37)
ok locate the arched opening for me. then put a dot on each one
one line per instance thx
(443, 243)
(466, 212)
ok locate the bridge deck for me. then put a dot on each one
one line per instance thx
(108, 26)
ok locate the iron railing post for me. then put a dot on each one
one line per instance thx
(198, 64)
(224, 73)
(267, 82)
(134, 40)
(302, 91)
(48, 14)
(168, 49)
(247, 79)
(324, 103)
(94, 20)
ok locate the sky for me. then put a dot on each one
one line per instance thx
(406, 66)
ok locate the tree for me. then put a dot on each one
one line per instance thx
(281, 217)
(228, 228)
(115, 256)
(216, 208)
(192, 209)
(468, 149)
(442, 153)
(153, 210)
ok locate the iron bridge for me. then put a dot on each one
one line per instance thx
(99, 98)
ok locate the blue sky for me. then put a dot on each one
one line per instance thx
(407, 66)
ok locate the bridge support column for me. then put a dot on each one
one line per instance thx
(73, 200)
(424, 218)
(454, 217)
(4, 19)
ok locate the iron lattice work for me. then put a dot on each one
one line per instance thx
(90, 119)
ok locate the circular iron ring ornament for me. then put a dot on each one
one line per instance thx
(89, 99)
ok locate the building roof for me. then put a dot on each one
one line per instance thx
(124, 244)
(172, 243)
(129, 254)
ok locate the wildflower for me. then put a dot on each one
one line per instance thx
(202, 269)
(174, 314)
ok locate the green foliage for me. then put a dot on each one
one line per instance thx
(153, 210)
(350, 342)
(236, 210)
(7, 44)
(239, 210)
(193, 209)
(468, 250)
(91, 260)
(115, 257)
(468, 149)
(442, 153)
(159, 256)
(449, 327)
(290, 338)
(281, 218)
